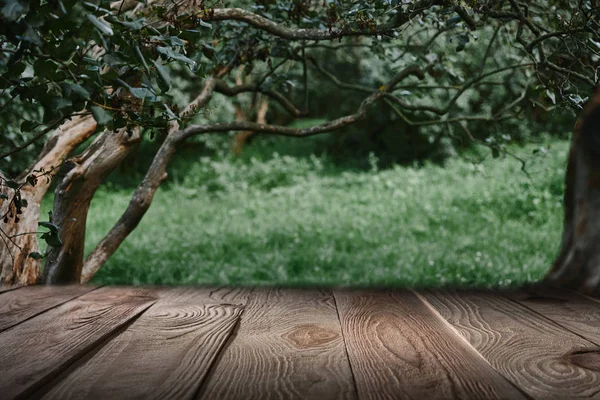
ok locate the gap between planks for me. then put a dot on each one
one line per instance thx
(398, 347)
(174, 342)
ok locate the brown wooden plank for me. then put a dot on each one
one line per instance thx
(6, 288)
(206, 295)
(288, 345)
(399, 348)
(33, 352)
(165, 354)
(522, 345)
(575, 312)
(20, 305)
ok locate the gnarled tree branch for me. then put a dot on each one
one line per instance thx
(274, 28)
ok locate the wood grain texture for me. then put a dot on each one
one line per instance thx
(5, 288)
(526, 348)
(36, 350)
(574, 312)
(399, 348)
(19, 305)
(206, 295)
(165, 354)
(288, 346)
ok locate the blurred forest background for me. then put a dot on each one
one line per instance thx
(381, 202)
(377, 203)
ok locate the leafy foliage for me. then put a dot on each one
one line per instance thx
(64, 58)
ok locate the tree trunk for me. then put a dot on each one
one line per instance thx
(139, 204)
(578, 263)
(16, 267)
(82, 177)
(144, 194)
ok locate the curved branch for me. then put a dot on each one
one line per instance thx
(541, 38)
(274, 28)
(464, 88)
(222, 87)
(568, 72)
(464, 15)
(304, 132)
(388, 87)
(203, 98)
(337, 82)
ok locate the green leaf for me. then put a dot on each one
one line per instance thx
(52, 239)
(11, 184)
(140, 93)
(172, 40)
(35, 255)
(141, 57)
(162, 75)
(115, 59)
(101, 115)
(4, 196)
(453, 21)
(170, 113)
(205, 24)
(15, 70)
(96, 8)
(462, 42)
(44, 68)
(28, 126)
(31, 36)
(143, 93)
(133, 25)
(59, 103)
(102, 27)
(169, 52)
(49, 225)
(80, 91)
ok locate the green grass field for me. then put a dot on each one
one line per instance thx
(299, 221)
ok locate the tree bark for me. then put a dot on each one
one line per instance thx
(140, 203)
(578, 263)
(144, 194)
(16, 267)
(83, 175)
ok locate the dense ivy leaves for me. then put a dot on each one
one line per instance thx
(82, 84)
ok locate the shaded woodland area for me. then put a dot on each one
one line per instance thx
(103, 95)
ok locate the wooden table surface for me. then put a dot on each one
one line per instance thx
(88, 342)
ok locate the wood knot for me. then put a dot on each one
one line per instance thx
(309, 335)
(588, 359)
